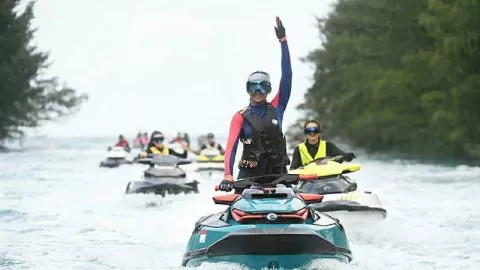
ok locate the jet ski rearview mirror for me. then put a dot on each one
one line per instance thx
(311, 198)
(228, 199)
(146, 161)
(184, 162)
(338, 158)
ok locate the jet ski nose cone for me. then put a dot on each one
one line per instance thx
(273, 265)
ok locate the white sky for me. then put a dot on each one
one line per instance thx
(171, 65)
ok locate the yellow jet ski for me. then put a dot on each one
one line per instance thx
(327, 176)
(210, 160)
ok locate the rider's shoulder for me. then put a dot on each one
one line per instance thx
(243, 110)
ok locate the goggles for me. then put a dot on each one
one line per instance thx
(158, 139)
(312, 130)
(262, 86)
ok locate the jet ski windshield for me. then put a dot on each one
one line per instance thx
(174, 172)
(334, 184)
(163, 160)
(280, 192)
(213, 152)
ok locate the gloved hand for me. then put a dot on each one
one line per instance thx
(280, 30)
(226, 184)
(349, 156)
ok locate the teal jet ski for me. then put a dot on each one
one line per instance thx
(269, 226)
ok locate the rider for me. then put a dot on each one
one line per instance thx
(314, 147)
(181, 137)
(259, 125)
(138, 141)
(157, 147)
(123, 143)
(145, 138)
(210, 144)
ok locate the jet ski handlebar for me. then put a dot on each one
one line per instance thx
(264, 181)
(145, 160)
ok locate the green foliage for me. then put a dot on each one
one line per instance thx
(26, 99)
(400, 76)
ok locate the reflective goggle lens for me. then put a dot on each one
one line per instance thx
(158, 139)
(314, 130)
(262, 86)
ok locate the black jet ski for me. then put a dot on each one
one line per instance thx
(164, 176)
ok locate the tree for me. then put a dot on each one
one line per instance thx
(27, 99)
(400, 76)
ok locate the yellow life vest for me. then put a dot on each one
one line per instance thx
(305, 155)
(155, 150)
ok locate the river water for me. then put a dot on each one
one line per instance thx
(59, 210)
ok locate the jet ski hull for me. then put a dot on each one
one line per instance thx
(276, 245)
(267, 261)
(364, 218)
(113, 163)
(162, 186)
(344, 201)
(352, 212)
(209, 166)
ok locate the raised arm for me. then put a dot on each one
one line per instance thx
(280, 101)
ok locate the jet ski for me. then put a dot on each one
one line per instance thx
(164, 176)
(267, 225)
(116, 156)
(210, 160)
(326, 176)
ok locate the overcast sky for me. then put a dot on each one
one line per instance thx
(171, 65)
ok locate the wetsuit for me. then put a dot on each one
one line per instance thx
(241, 128)
(331, 150)
(124, 144)
(170, 152)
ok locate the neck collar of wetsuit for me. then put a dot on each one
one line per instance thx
(258, 106)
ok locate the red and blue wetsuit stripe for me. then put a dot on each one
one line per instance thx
(240, 128)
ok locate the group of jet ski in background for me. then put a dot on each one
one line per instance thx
(142, 140)
(288, 209)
